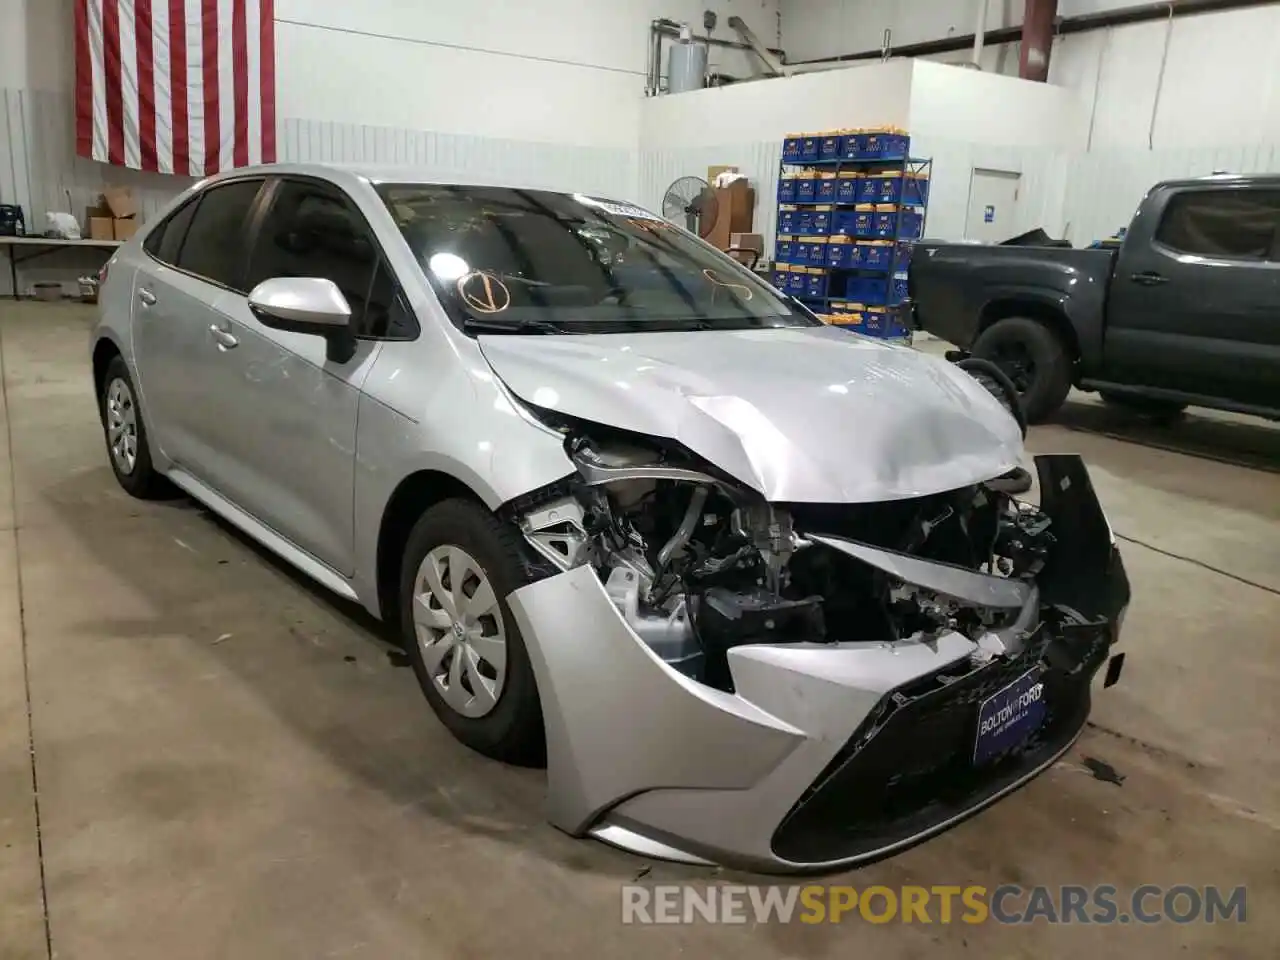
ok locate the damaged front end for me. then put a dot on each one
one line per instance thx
(815, 684)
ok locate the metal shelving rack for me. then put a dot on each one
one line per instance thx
(913, 172)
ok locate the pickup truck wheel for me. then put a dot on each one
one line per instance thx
(1034, 358)
(1161, 411)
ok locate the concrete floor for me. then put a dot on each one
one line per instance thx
(229, 764)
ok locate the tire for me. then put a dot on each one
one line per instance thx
(496, 714)
(1034, 357)
(126, 435)
(1161, 411)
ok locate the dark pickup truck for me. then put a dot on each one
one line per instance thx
(1185, 310)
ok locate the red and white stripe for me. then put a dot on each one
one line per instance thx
(176, 86)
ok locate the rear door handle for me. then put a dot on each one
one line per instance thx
(1148, 278)
(147, 297)
(224, 338)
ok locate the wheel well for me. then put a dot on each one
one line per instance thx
(413, 497)
(104, 351)
(1051, 316)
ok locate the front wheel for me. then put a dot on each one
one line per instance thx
(470, 659)
(1034, 358)
(126, 435)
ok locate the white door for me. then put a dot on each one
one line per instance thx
(993, 203)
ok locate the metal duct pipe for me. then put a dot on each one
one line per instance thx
(1141, 13)
(980, 34)
(1037, 39)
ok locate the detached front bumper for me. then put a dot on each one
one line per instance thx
(827, 755)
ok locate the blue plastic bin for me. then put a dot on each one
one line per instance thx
(829, 146)
(883, 146)
(780, 278)
(904, 254)
(873, 322)
(806, 187)
(787, 217)
(843, 223)
(851, 148)
(864, 223)
(873, 291)
(785, 250)
(911, 225)
(786, 189)
(880, 189)
(874, 256)
(810, 149)
(816, 285)
(915, 190)
(821, 222)
(847, 187)
(796, 280)
(825, 190)
(804, 222)
(839, 255)
(792, 147)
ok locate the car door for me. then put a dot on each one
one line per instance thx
(192, 260)
(1195, 303)
(287, 410)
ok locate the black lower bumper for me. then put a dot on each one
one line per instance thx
(909, 770)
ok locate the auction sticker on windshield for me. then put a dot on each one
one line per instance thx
(1008, 717)
(619, 209)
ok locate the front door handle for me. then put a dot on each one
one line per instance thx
(1148, 278)
(224, 338)
(147, 297)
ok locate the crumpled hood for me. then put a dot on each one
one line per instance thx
(803, 414)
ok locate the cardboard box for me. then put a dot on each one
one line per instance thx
(715, 171)
(120, 201)
(122, 228)
(735, 209)
(99, 228)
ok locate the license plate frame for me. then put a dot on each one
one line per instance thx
(1009, 716)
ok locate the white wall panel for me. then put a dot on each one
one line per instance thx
(870, 95)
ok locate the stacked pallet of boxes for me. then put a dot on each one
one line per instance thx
(850, 204)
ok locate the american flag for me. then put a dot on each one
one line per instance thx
(176, 86)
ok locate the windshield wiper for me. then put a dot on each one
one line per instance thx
(511, 325)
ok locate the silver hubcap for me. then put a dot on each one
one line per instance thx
(460, 630)
(122, 426)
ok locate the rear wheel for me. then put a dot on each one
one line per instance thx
(470, 659)
(1034, 358)
(1161, 411)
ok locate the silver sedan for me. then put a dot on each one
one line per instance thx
(757, 590)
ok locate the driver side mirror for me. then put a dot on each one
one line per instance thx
(310, 305)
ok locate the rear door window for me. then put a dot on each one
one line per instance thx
(214, 246)
(165, 241)
(1234, 224)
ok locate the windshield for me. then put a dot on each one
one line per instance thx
(530, 261)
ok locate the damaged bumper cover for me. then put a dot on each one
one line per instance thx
(824, 755)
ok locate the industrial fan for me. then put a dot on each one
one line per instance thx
(691, 202)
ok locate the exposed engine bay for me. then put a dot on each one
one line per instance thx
(697, 564)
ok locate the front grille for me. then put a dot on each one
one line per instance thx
(909, 767)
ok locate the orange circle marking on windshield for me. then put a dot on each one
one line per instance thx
(719, 281)
(484, 293)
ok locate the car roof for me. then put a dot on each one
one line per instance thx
(1226, 179)
(350, 174)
